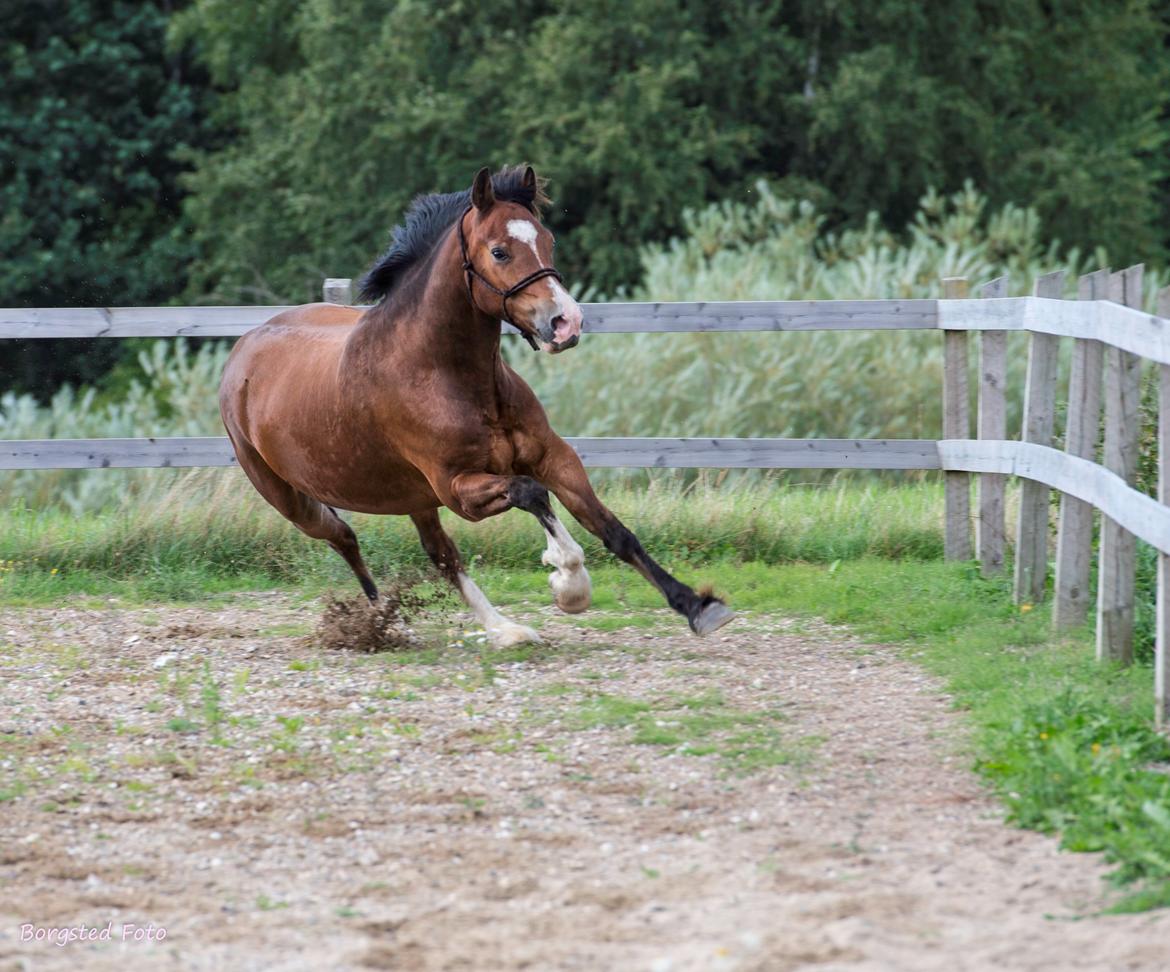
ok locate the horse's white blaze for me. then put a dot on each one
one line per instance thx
(524, 231)
(500, 630)
(565, 304)
(570, 583)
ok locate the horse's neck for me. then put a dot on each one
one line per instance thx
(440, 330)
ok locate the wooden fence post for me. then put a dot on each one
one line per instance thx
(1031, 569)
(1117, 557)
(337, 290)
(991, 424)
(956, 425)
(1074, 541)
(1162, 637)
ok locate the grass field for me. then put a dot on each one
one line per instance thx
(1067, 744)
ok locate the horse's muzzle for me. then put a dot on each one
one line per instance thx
(559, 334)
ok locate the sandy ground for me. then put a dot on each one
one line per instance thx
(347, 811)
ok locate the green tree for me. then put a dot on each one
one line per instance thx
(94, 119)
(1061, 106)
(347, 108)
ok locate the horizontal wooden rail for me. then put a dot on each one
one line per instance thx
(119, 322)
(768, 315)
(758, 453)
(157, 453)
(1139, 514)
(1094, 484)
(1100, 320)
(761, 315)
(718, 453)
(1110, 323)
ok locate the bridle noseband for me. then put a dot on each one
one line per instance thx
(472, 274)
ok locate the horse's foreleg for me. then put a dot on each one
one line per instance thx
(564, 474)
(445, 555)
(571, 587)
(480, 495)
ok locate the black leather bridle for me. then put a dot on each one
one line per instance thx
(473, 274)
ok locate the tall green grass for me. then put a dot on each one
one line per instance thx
(211, 525)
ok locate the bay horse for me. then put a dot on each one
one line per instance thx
(408, 406)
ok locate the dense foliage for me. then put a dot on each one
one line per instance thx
(95, 118)
(639, 110)
(868, 384)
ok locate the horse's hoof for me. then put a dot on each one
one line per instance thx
(573, 607)
(512, 634)
(573, 600)
(711, 618)
(572, 590)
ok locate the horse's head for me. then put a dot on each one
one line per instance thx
(507, 260)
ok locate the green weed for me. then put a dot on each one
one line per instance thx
(213, 713)
(701, 725)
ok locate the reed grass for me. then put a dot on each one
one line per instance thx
(211, 524)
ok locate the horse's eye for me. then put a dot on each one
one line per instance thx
(499, 253)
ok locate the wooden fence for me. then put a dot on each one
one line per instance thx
(1110, 334)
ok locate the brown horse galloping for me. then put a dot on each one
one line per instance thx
(408, 406)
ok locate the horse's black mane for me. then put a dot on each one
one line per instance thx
(428, 218)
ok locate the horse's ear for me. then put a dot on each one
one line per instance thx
(483, 197)
(528, 180)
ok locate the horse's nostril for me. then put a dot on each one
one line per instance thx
(557, 321)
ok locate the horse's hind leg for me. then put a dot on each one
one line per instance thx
(445, 555)
(310, 516)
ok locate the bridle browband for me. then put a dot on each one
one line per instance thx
(471, 274)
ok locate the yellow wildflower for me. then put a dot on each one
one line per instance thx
(1025, 608)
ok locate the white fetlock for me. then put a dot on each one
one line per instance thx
(571, 587)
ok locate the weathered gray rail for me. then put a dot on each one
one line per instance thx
(682, 453)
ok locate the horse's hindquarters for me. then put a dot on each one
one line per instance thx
(285, 395)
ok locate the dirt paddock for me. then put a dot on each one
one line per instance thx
(781, 797)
